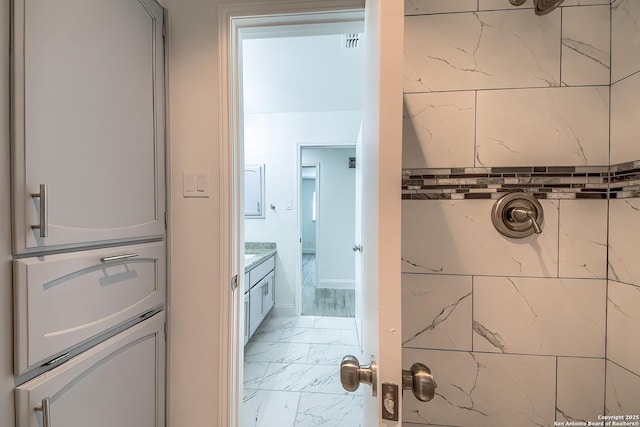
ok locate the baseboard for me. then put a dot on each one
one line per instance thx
(308, 251)
(336, 284)
(284, 310)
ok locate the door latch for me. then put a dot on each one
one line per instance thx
(390, 401)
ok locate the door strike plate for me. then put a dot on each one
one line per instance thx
(389, 401)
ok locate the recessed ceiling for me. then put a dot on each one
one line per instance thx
(302, 74)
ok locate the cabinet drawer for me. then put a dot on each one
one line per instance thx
(119, 382)
(257, 273)
(64, 299)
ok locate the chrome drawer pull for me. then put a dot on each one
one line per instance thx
(56, 360)
(43, 195)
(118, 257)
(46, 412)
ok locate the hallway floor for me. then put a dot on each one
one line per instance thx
(291, 374)
(323, 301)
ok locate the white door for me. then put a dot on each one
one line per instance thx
(380, 161)
(88, 116)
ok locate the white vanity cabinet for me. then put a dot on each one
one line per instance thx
(119, 382)
(88, 119)
(260, 295)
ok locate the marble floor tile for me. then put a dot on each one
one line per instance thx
(329, 410)
(259, 351)
(331, 354)
(302, 377)
(335, 323)
(263, 408)
(320, 336)
(253, 373)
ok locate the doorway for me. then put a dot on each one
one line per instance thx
(301, 89)
(327, 229)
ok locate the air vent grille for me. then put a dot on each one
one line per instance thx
(351, 40)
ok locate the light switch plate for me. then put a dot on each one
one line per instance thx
(196, 183)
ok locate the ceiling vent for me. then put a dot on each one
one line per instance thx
(351, 40)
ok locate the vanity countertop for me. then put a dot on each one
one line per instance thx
(257, 252)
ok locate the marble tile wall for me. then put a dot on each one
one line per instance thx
(623, 318)
(524, 332)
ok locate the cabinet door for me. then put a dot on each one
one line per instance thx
(119, 382)
(246, 317)
(88, 115)
(268, 296)
(64, 299)
(255, 307)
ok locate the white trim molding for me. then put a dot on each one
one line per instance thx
(250, 19)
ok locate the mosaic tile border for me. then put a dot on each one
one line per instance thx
(545, 182)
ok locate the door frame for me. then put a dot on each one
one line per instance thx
(256, 18)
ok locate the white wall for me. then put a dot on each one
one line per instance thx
(273, 139)
(335, 259)
(6, 316)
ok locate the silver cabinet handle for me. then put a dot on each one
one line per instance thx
(43, 195)
(118, 257)
(46, 412)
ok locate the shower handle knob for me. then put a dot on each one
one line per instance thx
(525, 215)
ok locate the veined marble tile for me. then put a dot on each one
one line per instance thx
(564, 317)
(458, 237)
(328, 410)
(624, 246)
(623, 389)
(625, 38)
(348, 323)
(583, 238)
(438, 130)
(552, 127)
(625, 116)
(276, 352)
(332, 354)
(436, 311)
(481, 50)
(423, 7)
(623, 326)
(253, 373)
(273, 323)
(484, 390)
(320, 336)
(302, 377)
(580, 389)
(586, 45)
(505, 4)
(265, 408)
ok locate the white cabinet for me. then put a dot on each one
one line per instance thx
(255, 308)
(88, 120)
(246, 317)
(119, 382)
(268, 296)
(62, 300)
(261, 295)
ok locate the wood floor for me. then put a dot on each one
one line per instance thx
(323, 302)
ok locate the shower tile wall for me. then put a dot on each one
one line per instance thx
(521, 332)
(623, 326)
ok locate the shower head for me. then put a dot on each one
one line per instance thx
(542, 7)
